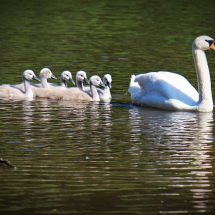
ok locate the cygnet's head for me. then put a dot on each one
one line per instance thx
(96, 81)
(204, 43)
(82, 76)
(107, 79)
(29, 75)
(67, 76)
(46, 73)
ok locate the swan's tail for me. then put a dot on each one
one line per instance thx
(132, 80)
(133, 86)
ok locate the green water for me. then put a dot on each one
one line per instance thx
(91, 158)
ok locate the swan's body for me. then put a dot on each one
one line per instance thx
(172, 91)
(12, 92)
(104, 94)
(81, 76)
(72, 93)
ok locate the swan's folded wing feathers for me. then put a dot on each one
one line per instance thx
(8, 91)
(166, 84)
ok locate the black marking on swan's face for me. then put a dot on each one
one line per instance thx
(211, 44)
(210, 41)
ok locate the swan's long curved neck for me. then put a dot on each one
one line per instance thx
(106, 91)
(94, 92)
(44, 82)
(63, 82)
(203, 76)
(28, 90)
(80, 84)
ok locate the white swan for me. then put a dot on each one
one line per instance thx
(104, 94)
(72, 93)
(66, 76)
(172, 91)
(8, 91)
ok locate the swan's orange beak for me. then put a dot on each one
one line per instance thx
(212, 47)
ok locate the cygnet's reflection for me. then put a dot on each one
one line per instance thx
(75, 122)
(28, 121)
(98, 122)
(181, 143)
(81, 121)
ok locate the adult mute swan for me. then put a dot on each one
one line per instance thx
(172, 91)
(72, 93)
(12, 92)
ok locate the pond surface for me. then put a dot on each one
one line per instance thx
(104, 158)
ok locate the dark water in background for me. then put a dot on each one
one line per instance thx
(91, 158)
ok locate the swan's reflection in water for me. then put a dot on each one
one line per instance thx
(181, 141)
(99, 124)
(132, 153)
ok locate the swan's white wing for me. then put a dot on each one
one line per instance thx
(163, 90)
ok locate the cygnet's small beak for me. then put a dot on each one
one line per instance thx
(102, 84)
(36, 78)
(52, 76)
(71, 80)
(109, 85)
(87, 81)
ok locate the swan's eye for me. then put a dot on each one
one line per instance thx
(209, 41)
